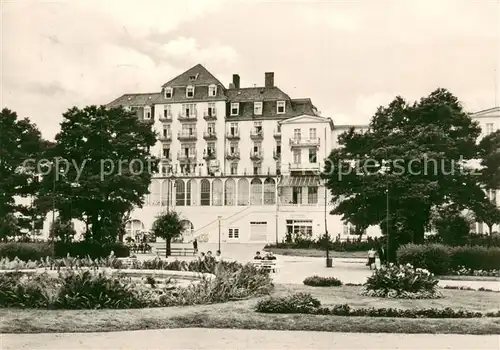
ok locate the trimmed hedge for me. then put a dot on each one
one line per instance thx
(304, 303)
(441, 259)
(25, 251)
(40, 250)
(317, 281)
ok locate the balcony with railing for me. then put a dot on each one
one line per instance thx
(256, 155)
(192, 116)
(166, 117)
(210, 135)
(312, 142)
(186, 135)
(165, 157)
(277, 134)
(234, 135)
(304, 167)
(234, 155)
(166, 136)
(184, 157)
(256, 134)
(210, 115)
(209, 154)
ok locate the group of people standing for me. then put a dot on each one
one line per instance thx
(268, 256)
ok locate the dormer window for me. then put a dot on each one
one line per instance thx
(168, 92)
(212, 90)
(280, 107)
(147, 113)
(235, 108)
(257, 108)
(193, 77)
(190, 91)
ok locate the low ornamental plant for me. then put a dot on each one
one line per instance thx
(304, 303)
(91, 288)
(401, 281)
(318, 281)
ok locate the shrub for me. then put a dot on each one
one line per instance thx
(317, 281)
(402, 281)
(432, 257)
(306, 304)
(441, 259)
(90, 290)
(91, 249)
(25, 251)
(299, 303)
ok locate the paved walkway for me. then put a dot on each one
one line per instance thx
(242, 339)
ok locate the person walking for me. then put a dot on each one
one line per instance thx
(371, 258)
(195, 246)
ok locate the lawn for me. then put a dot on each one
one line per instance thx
(241, 315)
(316, 253)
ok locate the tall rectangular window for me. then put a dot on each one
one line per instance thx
(212, 90)
(296, 156)
(235, 108)
(489, 128)
(234, 169)
(280, 107)
(257, 108)
(296, 134)
(312, 195)
(167, 111)
(312, 155)
(233, 129)
(190, 91)
(257, 127)
(297, 195)
(312, 133)
(211, 110)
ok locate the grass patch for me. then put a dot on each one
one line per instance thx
(240, 315)
(316, 253)
(469, 278)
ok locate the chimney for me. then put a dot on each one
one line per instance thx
(269, 81)
(236, 81)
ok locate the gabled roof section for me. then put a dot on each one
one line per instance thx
(201, 74)
(485, 113)
(134, 100)
(307, 119)
(256, 94)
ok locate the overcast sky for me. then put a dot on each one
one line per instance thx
(348, 57)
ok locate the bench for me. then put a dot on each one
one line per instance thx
(265, 264)
(127, 262)
(176, 251)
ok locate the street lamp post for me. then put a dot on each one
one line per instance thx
(219, 217)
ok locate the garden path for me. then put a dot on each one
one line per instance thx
(195, 338)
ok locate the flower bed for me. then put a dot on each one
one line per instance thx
(304, 303)
(99, 285)
(402, 281)
(317, 281)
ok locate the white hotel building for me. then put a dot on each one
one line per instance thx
(242, 159)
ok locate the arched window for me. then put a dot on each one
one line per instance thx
(269, 191)
(230, 192)
(256, 192)
(166, 192)
(204, 192)
(217, 192)
(155, 192)
(188, 193)
(134, 228)
(180, 193)
(194, 191)
(243, 192)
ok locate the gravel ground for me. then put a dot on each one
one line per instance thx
(243, 339)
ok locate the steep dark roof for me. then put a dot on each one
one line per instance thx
(303, 106)
(136, 100)
(202, 75)
(256, 94)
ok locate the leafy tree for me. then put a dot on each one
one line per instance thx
(489, 213)
(451, 225)
(413, 156)
(489, 153)
(62, 231)
(21, 145)
(168, 226)
(101, 168)
(8, 227)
